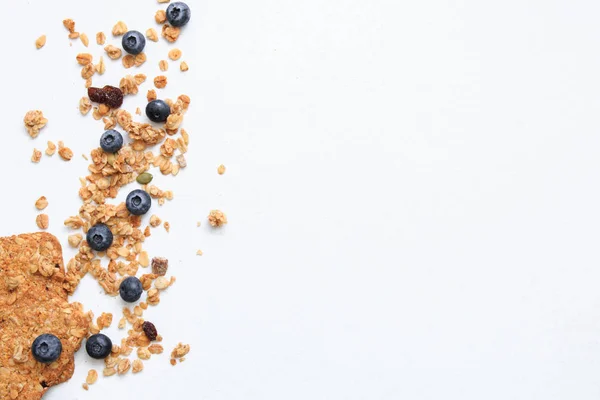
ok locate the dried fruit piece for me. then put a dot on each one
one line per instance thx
(150, 330)
(160, 266)
(41, 203)
(109, 95)
(40, 42)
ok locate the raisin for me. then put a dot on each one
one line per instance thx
(150, 330)
(96, 95)
(114, 96)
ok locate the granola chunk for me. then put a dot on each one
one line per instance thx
(34, 121)
(217, 218)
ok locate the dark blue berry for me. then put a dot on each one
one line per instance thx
(46, 348)
(98, 346)
(99, 237)
(131, 289)
(158, 111)
(133, 42)
(138, 202)
(111, 141)
(178, 14)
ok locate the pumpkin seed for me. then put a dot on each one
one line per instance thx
(144, 178)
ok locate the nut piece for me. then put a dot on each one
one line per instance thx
(36, 156)
(34, 121)
(160, 266)
(163, 65)
(175, 54)
(41, 203)
(42, 221)
(51, 149)
(114, 53)
(160, 17)
(84, 58)
(119, 29)
(171, 33)
(160, 81)
(84, 39)
(152, 35)
(75, 239)
(217, 218)
(40, 42)
(221, 169)
(183, 66)
(100, 38)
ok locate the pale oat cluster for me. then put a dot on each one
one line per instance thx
(34, 121)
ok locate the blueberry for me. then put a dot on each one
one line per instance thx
(46, 348)
(98, 346)
(111, 141)
(178, 14)
(131, 289)
(99, 237)
(133, 42)
(138, 202)
(158, 111)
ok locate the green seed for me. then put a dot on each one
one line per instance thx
(144, 179)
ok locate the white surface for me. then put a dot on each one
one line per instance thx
(411, 188)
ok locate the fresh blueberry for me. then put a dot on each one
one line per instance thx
(46, 348)
(98, 346)
(99, 237)
(138, 202)
(131, 289)
(133, 42)
(158, 111)
(111, 141)
(178, 14)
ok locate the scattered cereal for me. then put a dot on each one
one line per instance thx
(175, 54)
(119, 29)
(171, 33)
(40, 42)
(36, 156)
(163, 65)
(160, 17)
(92, 377)
(34, 121)
(152, 35)
(217, 218)
(100, 38)
(75, 239)
(114, 53)
(41, 203)
(183, 66)
(84, 39)
(160, 81)
(221, 169)
(42, 221)
(179, 352)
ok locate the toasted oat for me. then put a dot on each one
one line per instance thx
(85, 105)
(163, 65)
(138, 111)
(138, 366)
(123, 366)
(183, 66)
(128, 61)
(36, 156)
(119, 29)
(42, 221)
(109, 371)
(128, 85)
(167, 226)
(160, 17)
(75, 239)
(173, 362)
(151, 95)
(160, 81)
(64, 152)
(74, 35)
(92, 377)
(84, 58)
(171, 33)
(199, 253)
(152, 35)
(155, 349)
(114, 53)
(175, 54)
(40, 42)
(181, 350)
(88, 83)
(34, 121)
(101, 66)
(198, 224)
(69, 24)
(221, 169)
(181, 161)
(88, 71)
(85, 157)
(100, 38)
(41, 203)
(104, 320)
(140, 59)
(164, 1)
(84, 39)
(217, 218)
(143, 353)
(162, 283)
(143, 259)
(122, 323)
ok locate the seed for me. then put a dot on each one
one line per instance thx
(144, 178)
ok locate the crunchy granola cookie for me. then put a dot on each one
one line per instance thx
(33, 301)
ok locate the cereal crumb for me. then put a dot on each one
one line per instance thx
(34, 121)
(138, 111)
(199, 253)
(221, 169)
(171, 33)
(152, 35)
(160, 266)
(183, 66)
(40, 42)
(75, 239)
(175, 54)
(69, 24)
(151, 95)
(85, 386)
(36, 156)
(160, 81)
(85, 105)
(217, 218)
(84, 39)
(92, 377)
(42, 221)
(160, 17)
(167, 226)
(41, 203)
(85, 157)
(138, 366)
(119, 29)
(181, 350)
(163, 65)
(51, 149)
(100, 38)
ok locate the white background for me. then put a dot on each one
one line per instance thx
(411, 189)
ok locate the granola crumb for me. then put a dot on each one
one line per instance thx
(73, 35)
(40, 42)
(160, 17)
(69, 24)
(51, 149)
(221, 169)
(101, 66)
(75, 239)
(198, 224)
(42, 221)
(164, 1)
(163, 65)
(138, 111)
(175, 54)
(181, 161)
(151, 95)
(122, 323)
(199, 253)
(167, 226)
(85, 105)
(138, 366)
(217, 218)
(100, 38)
(152, 35)
(92, 377)
(181, 350)
(85, 157)
(173, 362)
(160, 81)
(85, 386)
(154, 221)
(84, 39)
(34, 121)
(183, 66)
(36, 156)
(41, 203)
(119, 29)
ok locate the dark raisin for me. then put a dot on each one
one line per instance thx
(150, 330)
(96, 95)
(114, 96)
